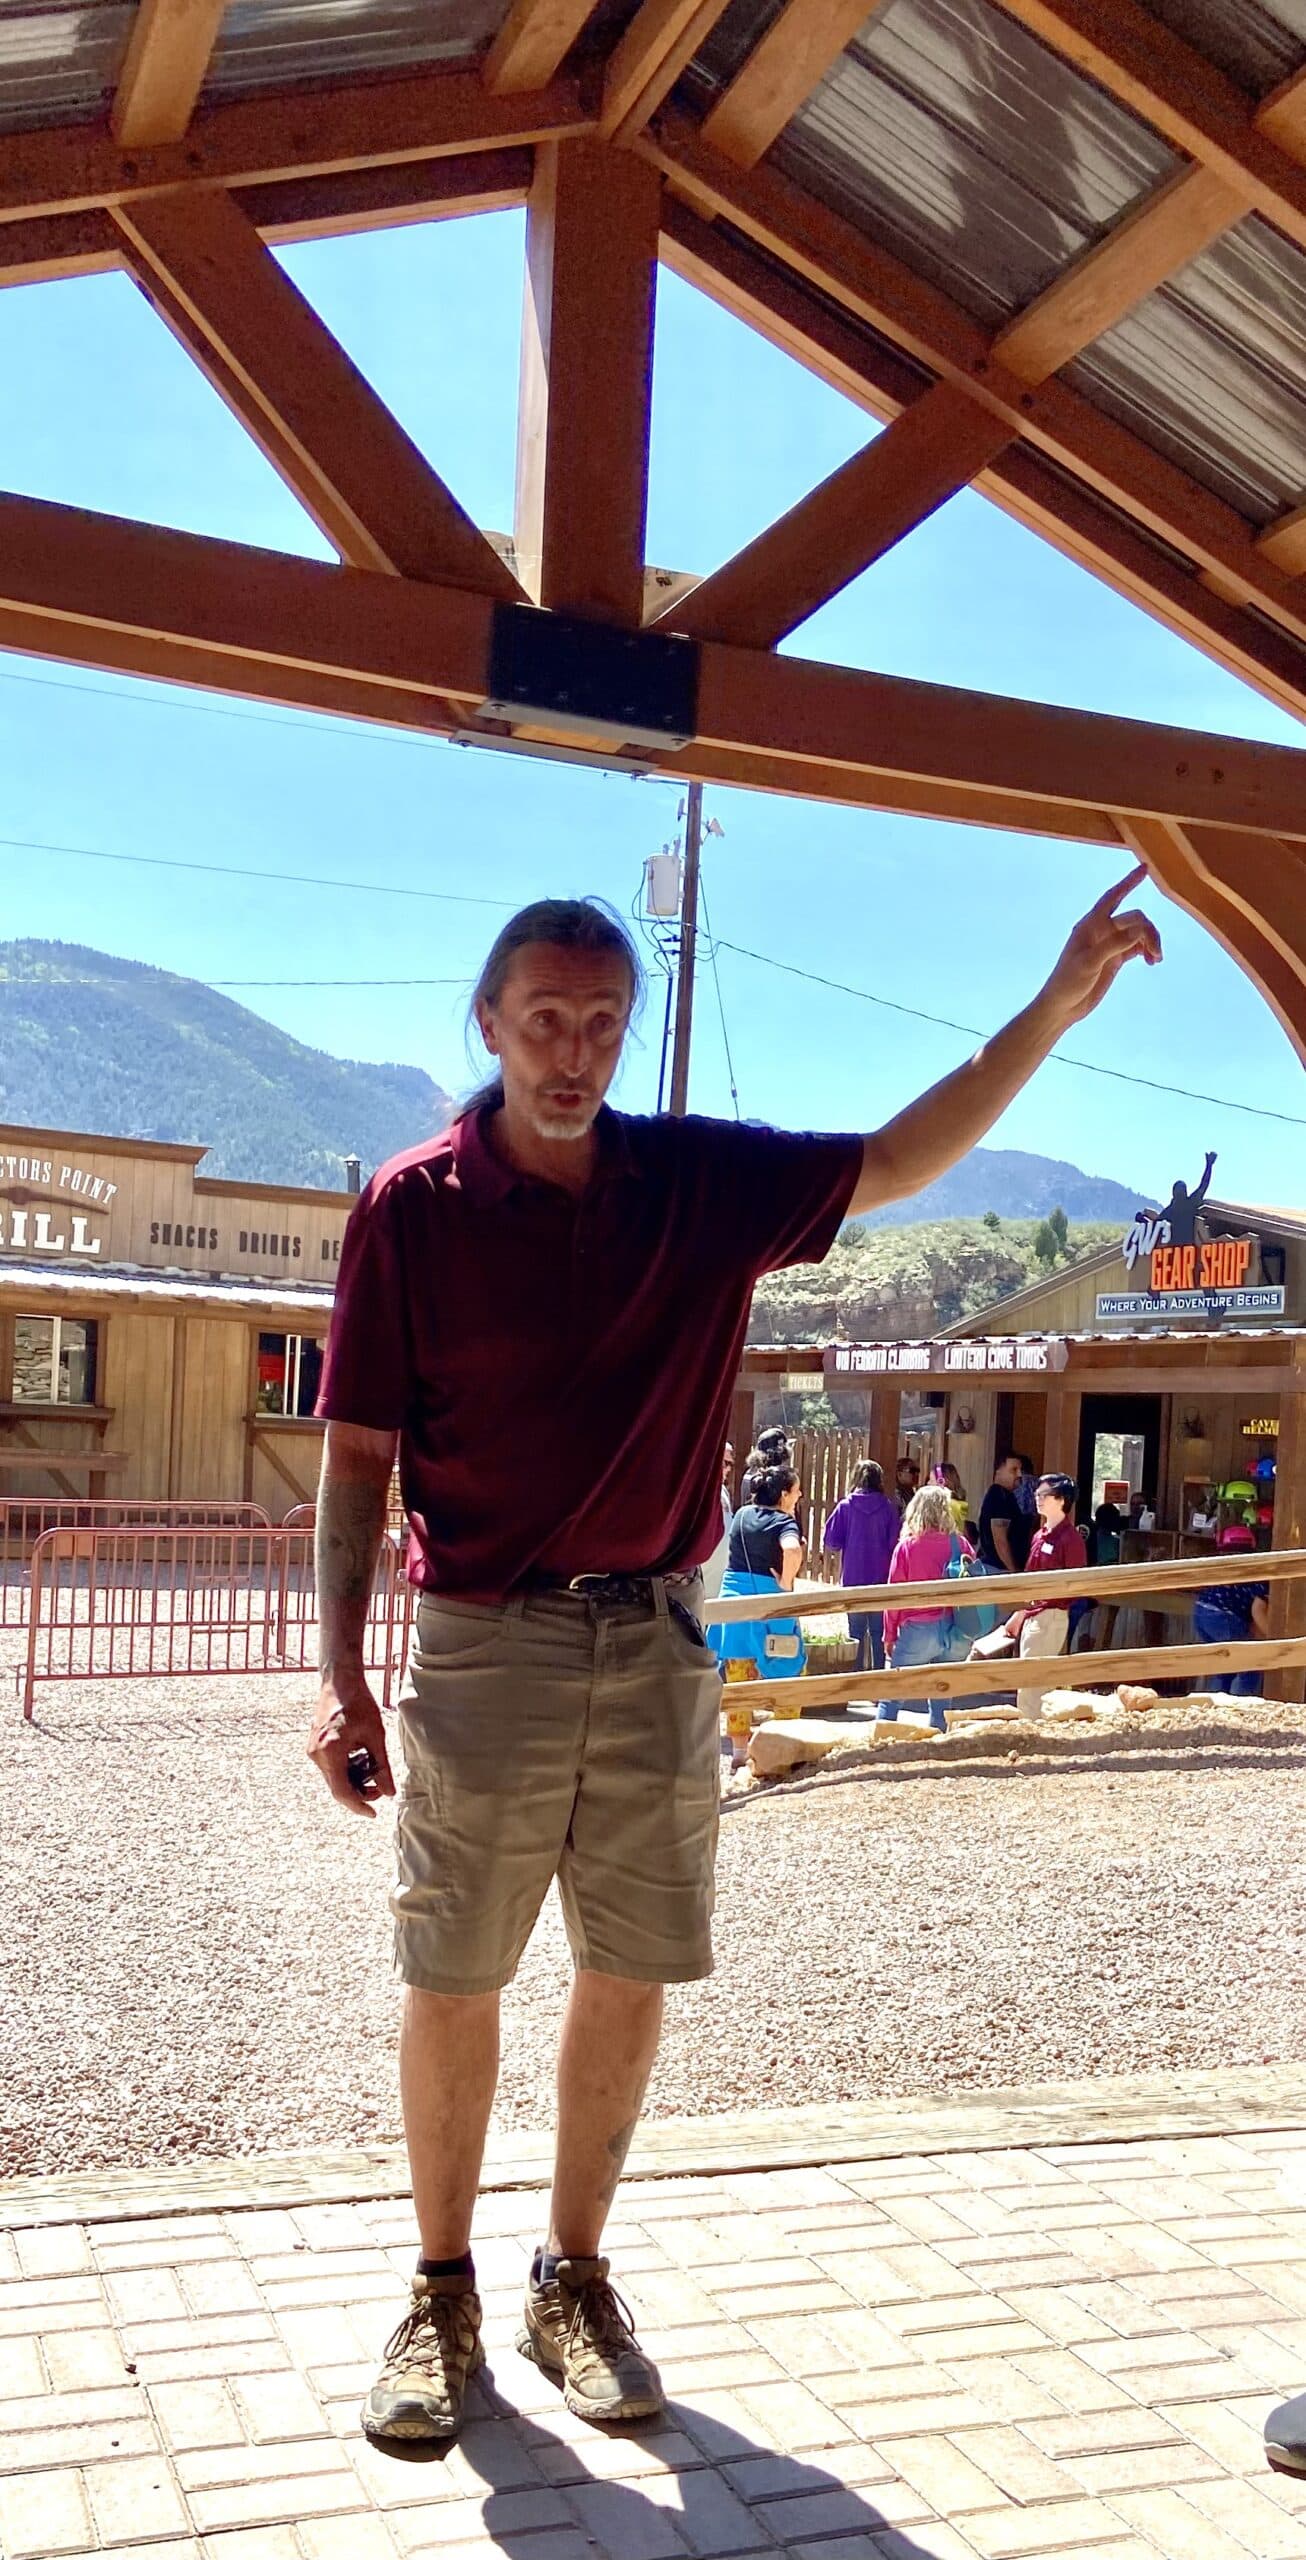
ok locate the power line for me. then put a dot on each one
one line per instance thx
(720, 1000)
(186, 700)
(944, 1022)
(234, 871)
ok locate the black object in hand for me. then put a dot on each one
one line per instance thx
(361, 1771)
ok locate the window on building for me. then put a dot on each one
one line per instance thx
(289, 1373)
(54, 1360)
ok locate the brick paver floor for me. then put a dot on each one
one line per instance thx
(991, 2354)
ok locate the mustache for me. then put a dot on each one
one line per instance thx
(550, 1092)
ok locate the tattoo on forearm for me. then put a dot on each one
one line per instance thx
(350, 1524)
(617, 2146)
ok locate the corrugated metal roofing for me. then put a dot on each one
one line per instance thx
(286, 44)
(1257, 42)
(58, 64)
(984, 159)
(1213, 370)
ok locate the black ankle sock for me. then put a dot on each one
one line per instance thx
(464, 2266)
(544, 2266)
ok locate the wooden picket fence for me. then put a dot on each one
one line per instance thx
(825, 1461)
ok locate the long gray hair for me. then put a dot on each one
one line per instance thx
(565, 924)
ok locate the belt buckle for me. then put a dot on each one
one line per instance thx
(583, 1583)
(622, 1589)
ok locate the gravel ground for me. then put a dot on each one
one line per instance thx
(195, 1956)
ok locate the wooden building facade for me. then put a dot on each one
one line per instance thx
(1190, 1376)
(161, 1330)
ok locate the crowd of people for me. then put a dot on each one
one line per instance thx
(923, 1533)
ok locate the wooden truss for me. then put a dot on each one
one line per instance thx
(615, 175)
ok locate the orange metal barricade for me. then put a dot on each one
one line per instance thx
(24, 1519)
(169, 1604)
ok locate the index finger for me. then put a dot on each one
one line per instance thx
(1110, 899)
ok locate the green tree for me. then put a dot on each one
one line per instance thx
(1060, 1226)
(1047, 1245)
(992, 1221)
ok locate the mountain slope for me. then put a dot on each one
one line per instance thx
(92, 1042)
(901, 1284)
(1015, 1185)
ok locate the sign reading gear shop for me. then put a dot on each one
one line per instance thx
(1188, 1273)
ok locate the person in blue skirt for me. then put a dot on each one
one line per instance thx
(766, 1550)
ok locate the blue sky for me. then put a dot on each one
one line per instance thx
(98, 407)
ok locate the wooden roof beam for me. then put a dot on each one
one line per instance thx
(1066, 514)
(586, 380)
(250, 142)
(185, 593)
(168, 53)
(939, 444)
(291, 384)
(1135, 58)
(879, 289)
(533, 43)
(663, 36)
(781, 74)
(50, 246)
(1249, 892)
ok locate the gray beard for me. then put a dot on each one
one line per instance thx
(565, 1126)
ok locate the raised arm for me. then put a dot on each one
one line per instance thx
(351, 1506)
(953, 1116)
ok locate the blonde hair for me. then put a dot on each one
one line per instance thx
(931, 1508)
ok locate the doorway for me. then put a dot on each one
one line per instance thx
(1119, 1438)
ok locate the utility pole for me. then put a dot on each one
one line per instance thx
(687, 953)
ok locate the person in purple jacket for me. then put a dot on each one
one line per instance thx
(863, 1529)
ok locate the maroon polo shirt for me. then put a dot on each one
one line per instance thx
(560, 1370)
(1058, 1550)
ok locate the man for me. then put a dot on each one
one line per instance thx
(544, 1309)
(906, 1481)
(1004, 1531)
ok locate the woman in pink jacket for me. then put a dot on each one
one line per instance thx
(929, 1543)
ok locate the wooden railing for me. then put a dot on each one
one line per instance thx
(1011, 1591)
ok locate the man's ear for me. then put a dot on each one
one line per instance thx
(485, 1025)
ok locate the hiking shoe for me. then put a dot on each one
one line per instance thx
(428, 2363)
(1285, 2436)
(580, 2331)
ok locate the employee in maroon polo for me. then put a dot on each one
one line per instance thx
(543, 1311)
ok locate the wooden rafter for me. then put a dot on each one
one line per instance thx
(289, 381)
(587, 371)
(167, 56)
(191, 594)
(1071, 517)
(248, 142)
(780, 75)
(1283, 116)
(879, 290)
(938, 445)
(533, 43)
(662, 37)
(1284, 542)
(1156, 238)
(1249, 893)
(1135, 57)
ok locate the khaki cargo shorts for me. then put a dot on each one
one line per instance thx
(551, 1738)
